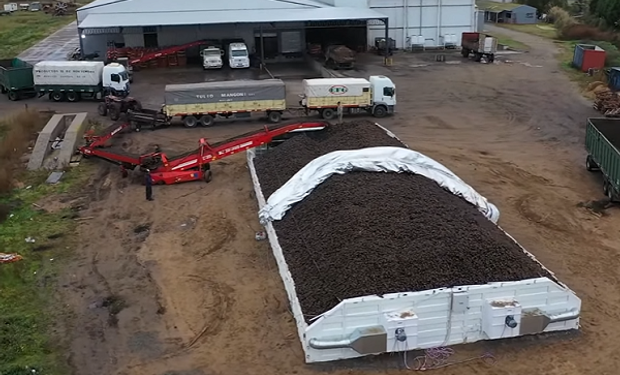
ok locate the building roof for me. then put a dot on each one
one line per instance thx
(493, 6)
(128, 13)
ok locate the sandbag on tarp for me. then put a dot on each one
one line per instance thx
(372, 159)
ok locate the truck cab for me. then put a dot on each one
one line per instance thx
(211, 58)
(238, 56)
(116, 79)
(383, 93)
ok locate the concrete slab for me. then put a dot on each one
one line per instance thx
(295, 70)
(55, 47)
(53, 128)
(73, 135)
(68, 126)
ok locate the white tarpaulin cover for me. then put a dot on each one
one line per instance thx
(372, 159)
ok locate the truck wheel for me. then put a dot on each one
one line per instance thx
(102, 109)
(274, 117)
(115, 112)
(490, 59)
(609, 192)
(73, 96)
(328, 113)
(208, 176)
(57, 96)
(190, 121)
(465, 52)
(207, 120)
(590, 164)
(380, 112)
(477, 57)
(13, 96)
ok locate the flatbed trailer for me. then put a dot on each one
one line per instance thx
(603, 147)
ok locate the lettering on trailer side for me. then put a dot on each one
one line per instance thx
(224, 95)
(235, 148)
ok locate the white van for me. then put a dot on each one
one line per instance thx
(238, 56)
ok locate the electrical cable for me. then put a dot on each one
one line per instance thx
(438, 357)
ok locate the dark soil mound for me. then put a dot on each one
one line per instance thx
(280, 164)
(367, 233)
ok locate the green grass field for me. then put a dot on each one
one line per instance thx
(29, 309)
(28, 304)
(21, 30)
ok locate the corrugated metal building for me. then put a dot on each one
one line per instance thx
(283, 24)
(286, 25)
(508, 12)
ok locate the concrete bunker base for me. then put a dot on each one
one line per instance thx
(69, 128)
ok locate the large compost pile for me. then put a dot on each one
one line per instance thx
(366, 233)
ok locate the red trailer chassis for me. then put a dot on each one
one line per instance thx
(191, 166)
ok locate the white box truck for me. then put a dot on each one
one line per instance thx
(75, 80)
(376, 95)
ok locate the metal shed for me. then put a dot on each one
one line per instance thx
(275, 24)
(497, 12)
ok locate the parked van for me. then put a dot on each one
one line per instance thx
(238, 56)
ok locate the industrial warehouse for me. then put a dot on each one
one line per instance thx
(275, 29)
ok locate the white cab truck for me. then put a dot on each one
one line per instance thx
(211, 57)
(75, 80)
(238, 56)
(375, 95)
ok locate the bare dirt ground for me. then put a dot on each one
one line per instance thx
(179, 286)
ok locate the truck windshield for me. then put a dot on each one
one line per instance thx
(388, 91)
(239, 53)
(124, 75)
(212, 53)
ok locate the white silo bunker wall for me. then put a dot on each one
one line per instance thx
(430, 318)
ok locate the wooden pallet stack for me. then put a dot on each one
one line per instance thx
(608, 103)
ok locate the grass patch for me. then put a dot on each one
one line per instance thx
(27, 300)
(21, 30)
(16, 134)
(544, 30)
(27, 305)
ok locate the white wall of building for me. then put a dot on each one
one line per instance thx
(431, 19)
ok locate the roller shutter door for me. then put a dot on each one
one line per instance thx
(291, 42)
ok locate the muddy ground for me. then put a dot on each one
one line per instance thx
(179, 286)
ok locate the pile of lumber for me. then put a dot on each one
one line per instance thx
(608, 103)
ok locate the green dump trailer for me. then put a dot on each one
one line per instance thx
(603, 145)
(16, 80)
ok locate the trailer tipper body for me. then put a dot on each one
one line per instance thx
(16, 79)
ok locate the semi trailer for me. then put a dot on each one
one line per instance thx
(63, 80)
(603, 148)
(203, 103)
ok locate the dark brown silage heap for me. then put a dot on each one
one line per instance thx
(368, 233)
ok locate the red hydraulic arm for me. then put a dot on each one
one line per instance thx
(191, 166)
(195, 166)
(165, 52)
